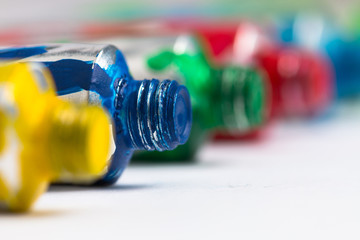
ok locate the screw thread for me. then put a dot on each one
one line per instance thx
(242, 102)
(159, 115)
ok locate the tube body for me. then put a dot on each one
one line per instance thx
(148, 114)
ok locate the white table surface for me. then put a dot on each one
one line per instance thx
(302, 181)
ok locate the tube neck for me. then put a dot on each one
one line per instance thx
(242, 93)
(78, 141)
(157, 114)
(236, 100)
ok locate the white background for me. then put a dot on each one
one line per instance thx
(301, 181)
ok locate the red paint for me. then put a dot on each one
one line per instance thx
(301, 82)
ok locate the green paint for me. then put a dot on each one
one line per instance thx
(229, 98)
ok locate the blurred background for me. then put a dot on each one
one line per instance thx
(21, 13)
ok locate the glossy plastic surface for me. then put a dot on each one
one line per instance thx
(44, 139)
(229, 98)
(342, 48)
(148, 114)
(301, 81)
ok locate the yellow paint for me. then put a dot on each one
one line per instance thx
(2, 129)
(57, 140)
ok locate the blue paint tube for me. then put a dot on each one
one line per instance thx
(147, 114)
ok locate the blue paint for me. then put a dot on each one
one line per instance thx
(148, 114)
(345, 57)
(343, 52)
(23, 52)
(70, 75)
